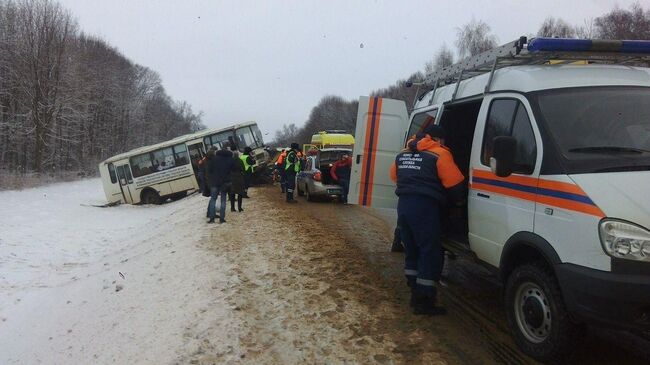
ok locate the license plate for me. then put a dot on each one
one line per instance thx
(333, 191)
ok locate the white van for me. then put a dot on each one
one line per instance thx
(556, 156)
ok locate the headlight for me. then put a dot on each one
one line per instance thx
(625, 240)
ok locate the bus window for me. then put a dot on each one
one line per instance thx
(163, 159)
(180, 155)
(127, 172)
(217, 140)
(245, 138)
(258, 135)
(111, 172)
(141, 165)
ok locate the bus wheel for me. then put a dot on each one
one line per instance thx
(537, 314)
(150, 197)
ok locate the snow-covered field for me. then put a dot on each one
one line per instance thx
(157, 285)
(82, 284)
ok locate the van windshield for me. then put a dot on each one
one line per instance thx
(599, 129)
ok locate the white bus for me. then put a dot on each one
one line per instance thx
(152, 174)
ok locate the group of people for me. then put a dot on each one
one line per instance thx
(289, 164)
(225, 174)
(287, 167)
(428, 180)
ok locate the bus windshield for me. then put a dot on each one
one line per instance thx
(598, 128)
(249, 137)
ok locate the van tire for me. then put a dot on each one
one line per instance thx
(542, 326)
(150, 197)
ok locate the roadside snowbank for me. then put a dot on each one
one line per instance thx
(81, 284)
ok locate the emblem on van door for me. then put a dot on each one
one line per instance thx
(548, 211)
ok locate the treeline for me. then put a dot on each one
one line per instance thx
(69, 100)
(333, 112)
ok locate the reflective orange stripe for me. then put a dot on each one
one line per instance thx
(369, 155)
(549, 192)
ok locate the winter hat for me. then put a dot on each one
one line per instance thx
(295, 146)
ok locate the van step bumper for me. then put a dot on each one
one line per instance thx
(605, 298)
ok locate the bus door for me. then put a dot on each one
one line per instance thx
(125, 179)
(196, 154)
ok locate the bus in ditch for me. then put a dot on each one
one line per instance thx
(168, 170)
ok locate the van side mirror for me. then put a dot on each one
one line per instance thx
(502, 161)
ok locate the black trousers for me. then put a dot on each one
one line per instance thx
(231, 196)
(290, 178)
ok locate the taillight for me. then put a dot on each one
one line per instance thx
(317, 176)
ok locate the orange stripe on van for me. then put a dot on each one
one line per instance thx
(554, 193)
(363, 186)
(373, 150)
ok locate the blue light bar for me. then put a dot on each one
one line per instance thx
(587, 45)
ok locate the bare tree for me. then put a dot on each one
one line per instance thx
(286, 136)
(624, 24)
(587, 30)
(556, 28)
(68, 100)
(474, 38)
(443, 58)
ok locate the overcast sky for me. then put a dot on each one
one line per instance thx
(272, 61)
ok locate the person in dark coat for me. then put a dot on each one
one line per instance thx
(219, 169)
(203, 167)
(237, 180)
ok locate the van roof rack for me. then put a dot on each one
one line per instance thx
(541, 51)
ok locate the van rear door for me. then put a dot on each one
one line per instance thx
(379, 136)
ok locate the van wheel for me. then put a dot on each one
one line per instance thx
(150, 197)
(536, 313)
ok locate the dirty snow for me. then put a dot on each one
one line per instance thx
(156, 284)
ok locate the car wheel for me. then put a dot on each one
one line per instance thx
(308, 195)
(150, 197)
(299, 190)
(537, 314)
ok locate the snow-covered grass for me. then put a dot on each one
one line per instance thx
(82, 284)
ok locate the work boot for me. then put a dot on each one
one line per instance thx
(211, 220)
(425, 305)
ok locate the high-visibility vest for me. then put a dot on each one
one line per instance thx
(247, 167)
(295, 165)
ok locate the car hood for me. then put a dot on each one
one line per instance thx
(623, 195)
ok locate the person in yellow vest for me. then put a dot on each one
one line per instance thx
(248, 161)
(291, 168)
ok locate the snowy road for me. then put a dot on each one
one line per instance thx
(277, 284)
(155, 284)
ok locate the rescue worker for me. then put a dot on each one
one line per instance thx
(279, 166)
(340, 172)
(291, 168)
(248, 161)
(426, 178)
